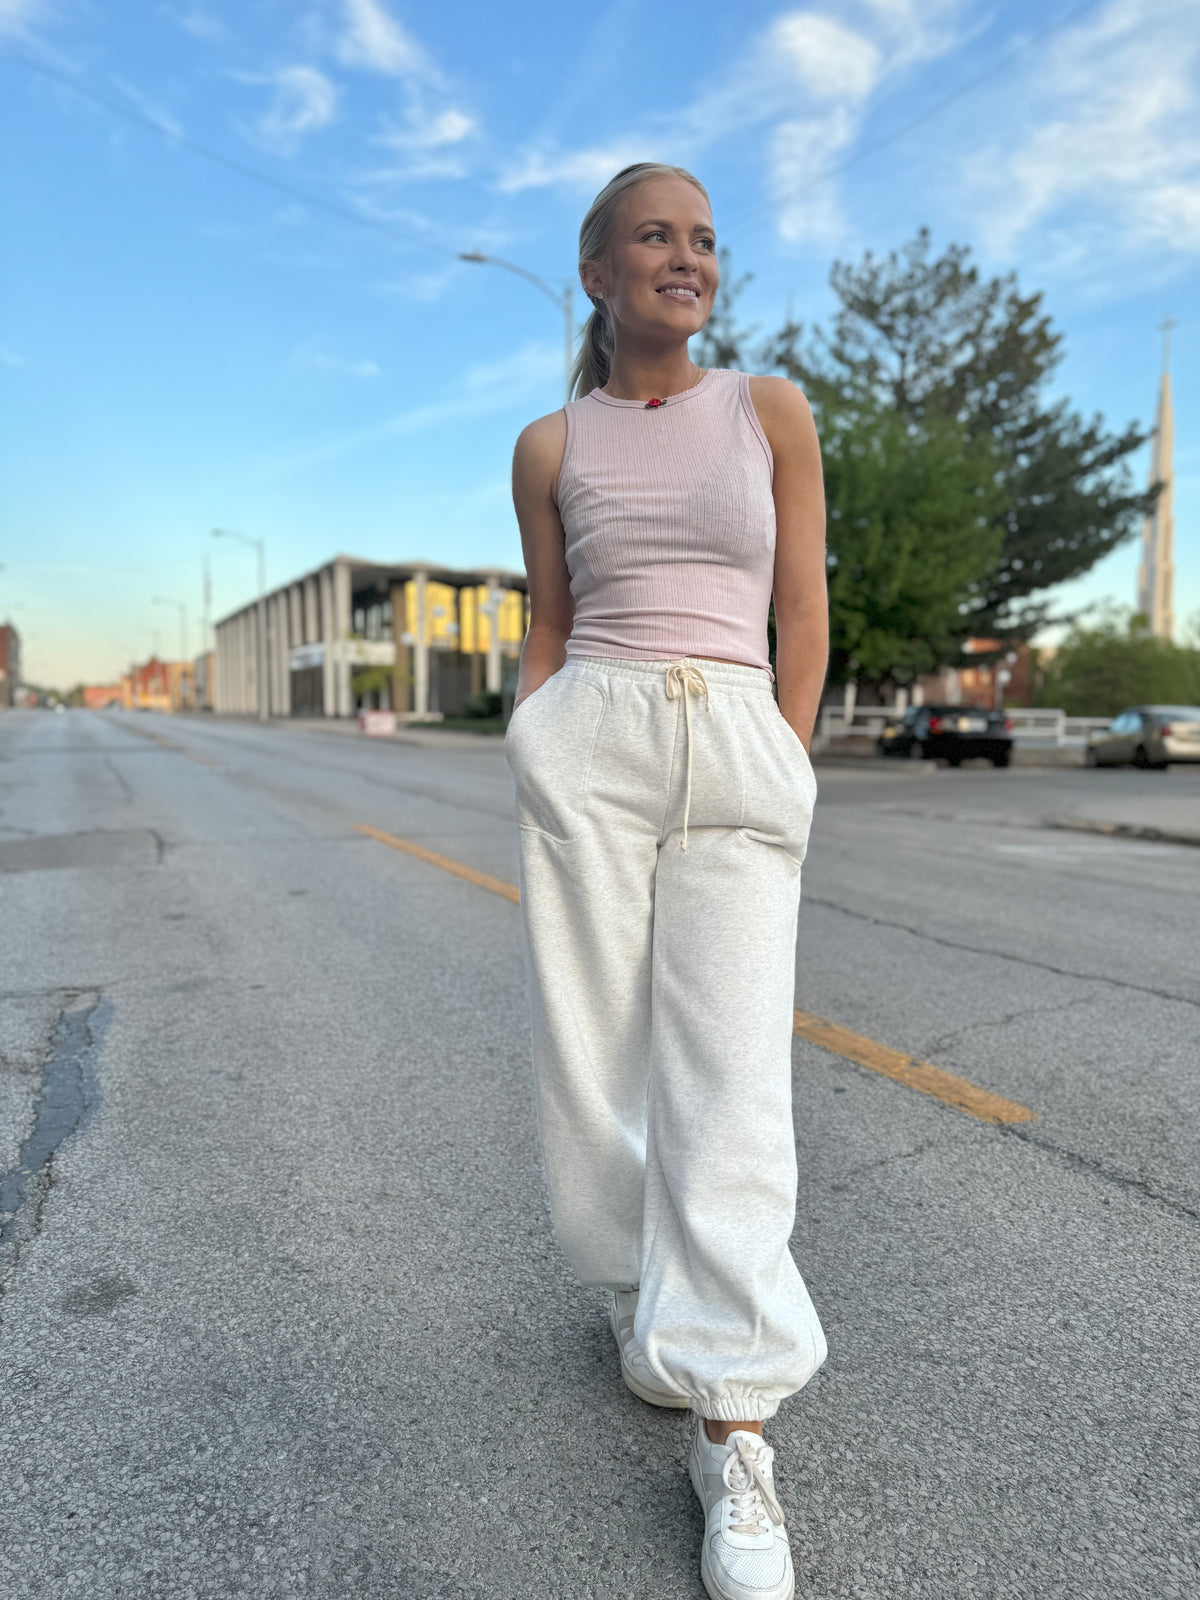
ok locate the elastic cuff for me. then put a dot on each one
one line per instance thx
(736, 1408)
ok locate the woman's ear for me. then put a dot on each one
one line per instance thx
(592, 279)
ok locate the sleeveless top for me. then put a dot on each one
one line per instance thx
(670, 524)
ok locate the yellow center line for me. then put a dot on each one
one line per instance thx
(920, 1075)
(915, 1074)
(481, 880)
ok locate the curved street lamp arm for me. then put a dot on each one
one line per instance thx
(558, 297)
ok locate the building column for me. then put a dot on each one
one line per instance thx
(291, 636)
(342, 621)
(495, 596)
(476, 661)
(402, 674)
(282, 633)
(217, 687)
(420, 647)
(310, 626)
(253, 659)
(328, 643)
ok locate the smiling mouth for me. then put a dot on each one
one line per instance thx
(680, 291)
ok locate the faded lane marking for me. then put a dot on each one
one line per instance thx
(481, 880)
(916, 1074)
(864, 1052)
(168, 744)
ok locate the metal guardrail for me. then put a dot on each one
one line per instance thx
(1038, 728)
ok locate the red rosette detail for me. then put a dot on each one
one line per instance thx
(651, 404)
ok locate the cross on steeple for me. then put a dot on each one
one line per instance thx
(1164, 327)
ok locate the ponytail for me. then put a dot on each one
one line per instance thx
(593, 364)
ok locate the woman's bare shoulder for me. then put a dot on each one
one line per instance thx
(540, 446)
(778, 399)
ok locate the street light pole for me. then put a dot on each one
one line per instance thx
(563, 298)
(261, 630)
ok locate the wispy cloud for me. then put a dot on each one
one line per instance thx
(198, 21)
(805, 81)
(586, 169)
(427, 144)
(1106, 168)
(310, 357)
(19, 17)
(431, 135)
(424, 288)
(484, 388)
(303, 100)
(371, 38)
(150, 108)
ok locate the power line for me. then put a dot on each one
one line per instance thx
(938, 106)
(130, 113)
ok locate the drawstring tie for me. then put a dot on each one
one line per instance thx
(683, 681)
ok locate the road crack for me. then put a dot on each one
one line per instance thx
(1001, 955)
(1098, 1169)
(949, 1041)
(67, 1098)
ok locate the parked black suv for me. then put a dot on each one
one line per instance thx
(951, 733)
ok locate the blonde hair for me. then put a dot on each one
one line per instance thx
(593, 364)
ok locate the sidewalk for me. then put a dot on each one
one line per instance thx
(423, 736)
(1169, 818)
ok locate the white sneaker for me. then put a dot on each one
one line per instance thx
(746, 1555)
(638, 1377)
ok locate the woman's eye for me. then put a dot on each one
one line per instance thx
(707, 244)
(657, 233)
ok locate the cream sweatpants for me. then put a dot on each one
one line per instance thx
(664, 811)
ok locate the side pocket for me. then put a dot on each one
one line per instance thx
(792, 740)
(551, 755)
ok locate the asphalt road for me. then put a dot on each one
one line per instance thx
(281, 1314)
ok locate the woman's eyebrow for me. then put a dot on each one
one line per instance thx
(660, 222)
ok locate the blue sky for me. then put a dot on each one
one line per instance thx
(182, 347)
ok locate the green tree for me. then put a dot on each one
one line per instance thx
(911, 540)
(928, 338)
(1116, 662)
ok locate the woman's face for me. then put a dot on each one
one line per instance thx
(659, 274)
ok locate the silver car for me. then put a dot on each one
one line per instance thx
(1147, 736)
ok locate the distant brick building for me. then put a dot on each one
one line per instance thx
(977, 685)
(150, 686)
(10, 665)
(99, 696)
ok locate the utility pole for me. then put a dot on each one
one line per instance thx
(207, 653)
(563, 298)
(161, 600)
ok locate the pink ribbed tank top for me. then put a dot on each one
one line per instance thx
(670, 524)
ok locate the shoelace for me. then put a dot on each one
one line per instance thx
(752, 1493)
(685, 680)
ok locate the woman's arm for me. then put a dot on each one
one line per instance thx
(801, 600)
(537, 461)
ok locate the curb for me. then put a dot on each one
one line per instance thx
(1126, 830)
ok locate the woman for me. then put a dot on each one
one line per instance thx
(664, 802)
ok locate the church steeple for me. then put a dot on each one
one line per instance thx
(1156, 577)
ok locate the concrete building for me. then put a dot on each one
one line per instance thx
(10, 665)
(414, 637)
(202, 682)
